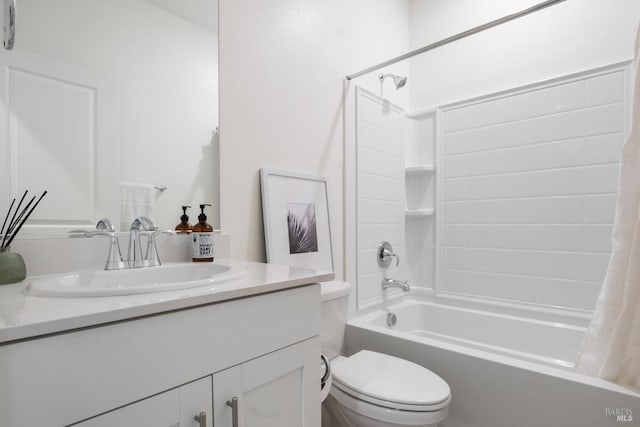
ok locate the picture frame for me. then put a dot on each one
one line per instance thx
(297, 228)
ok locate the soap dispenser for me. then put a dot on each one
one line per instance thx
(202, 238)
(184, 227)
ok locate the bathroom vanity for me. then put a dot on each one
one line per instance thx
(245, 351)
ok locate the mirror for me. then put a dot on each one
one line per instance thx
(101, 92)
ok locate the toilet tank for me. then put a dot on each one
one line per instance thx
(335, 297)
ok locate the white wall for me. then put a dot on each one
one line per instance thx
(166, 72)
(282, 68)
(569, 37)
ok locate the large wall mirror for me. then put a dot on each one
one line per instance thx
(96, 93)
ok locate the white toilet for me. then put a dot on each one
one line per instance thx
(371, 389)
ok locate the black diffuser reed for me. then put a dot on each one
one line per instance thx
(18, 218)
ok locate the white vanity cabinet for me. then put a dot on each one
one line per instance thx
(270, 391)
(274, 390)
(164, 369)
(174, 408)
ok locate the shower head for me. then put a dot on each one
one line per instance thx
(399, 81)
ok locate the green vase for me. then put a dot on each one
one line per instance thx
(12, 268)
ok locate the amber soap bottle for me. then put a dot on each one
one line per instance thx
(184, 227)
(202, 238)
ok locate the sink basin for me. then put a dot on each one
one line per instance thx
(167, 277)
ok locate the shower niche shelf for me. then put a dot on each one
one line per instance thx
(419, 189)
(419, 213)
(420, 175)
(420, 169)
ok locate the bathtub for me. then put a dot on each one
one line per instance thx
(504, 371)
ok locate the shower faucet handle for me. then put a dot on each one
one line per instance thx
(385, 254)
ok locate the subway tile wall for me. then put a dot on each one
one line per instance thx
(381, 130)
(529, 183)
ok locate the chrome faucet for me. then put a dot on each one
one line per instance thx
(105, 224)
(104, 228)
(135, 257)
(140, 225)
(151, 259)
(393, 283)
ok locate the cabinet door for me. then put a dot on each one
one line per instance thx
(279, 389)
(161, 410)
(174, 408)
(196, 398)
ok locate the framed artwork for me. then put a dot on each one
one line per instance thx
(295, 211)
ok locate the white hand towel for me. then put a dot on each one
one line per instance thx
(136, 199)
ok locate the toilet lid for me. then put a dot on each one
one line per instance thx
(390, 381)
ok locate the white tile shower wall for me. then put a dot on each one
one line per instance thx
(529, 188)
(380, 189)
(420, 230)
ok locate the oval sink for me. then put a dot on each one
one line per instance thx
(167, 277)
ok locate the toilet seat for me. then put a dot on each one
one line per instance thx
(391, 417)
(390, 382)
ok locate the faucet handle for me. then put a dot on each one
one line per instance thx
(151, 258)
(103, 228)
(105, 224)
(385, 255)
(114, 258)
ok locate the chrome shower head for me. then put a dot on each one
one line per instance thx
(398, 81)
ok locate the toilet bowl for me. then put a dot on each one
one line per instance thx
(377, 390)
(370, 389)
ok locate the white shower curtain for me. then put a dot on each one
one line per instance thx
(611, 349)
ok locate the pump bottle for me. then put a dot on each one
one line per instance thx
(202, 238)
(184, 227)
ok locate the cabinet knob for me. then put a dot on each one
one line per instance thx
(233, 403)
(201, 418)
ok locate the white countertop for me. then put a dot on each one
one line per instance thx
(25, 316)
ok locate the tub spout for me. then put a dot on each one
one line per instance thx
(393, 283)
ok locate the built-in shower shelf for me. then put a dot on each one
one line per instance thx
(419, 213)
(419, 169)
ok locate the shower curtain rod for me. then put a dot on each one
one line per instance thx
(456, 37)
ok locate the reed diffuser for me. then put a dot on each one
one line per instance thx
(12, 267)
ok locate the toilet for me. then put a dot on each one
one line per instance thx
(370, 389)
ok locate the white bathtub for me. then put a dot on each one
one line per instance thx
(504, 371)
